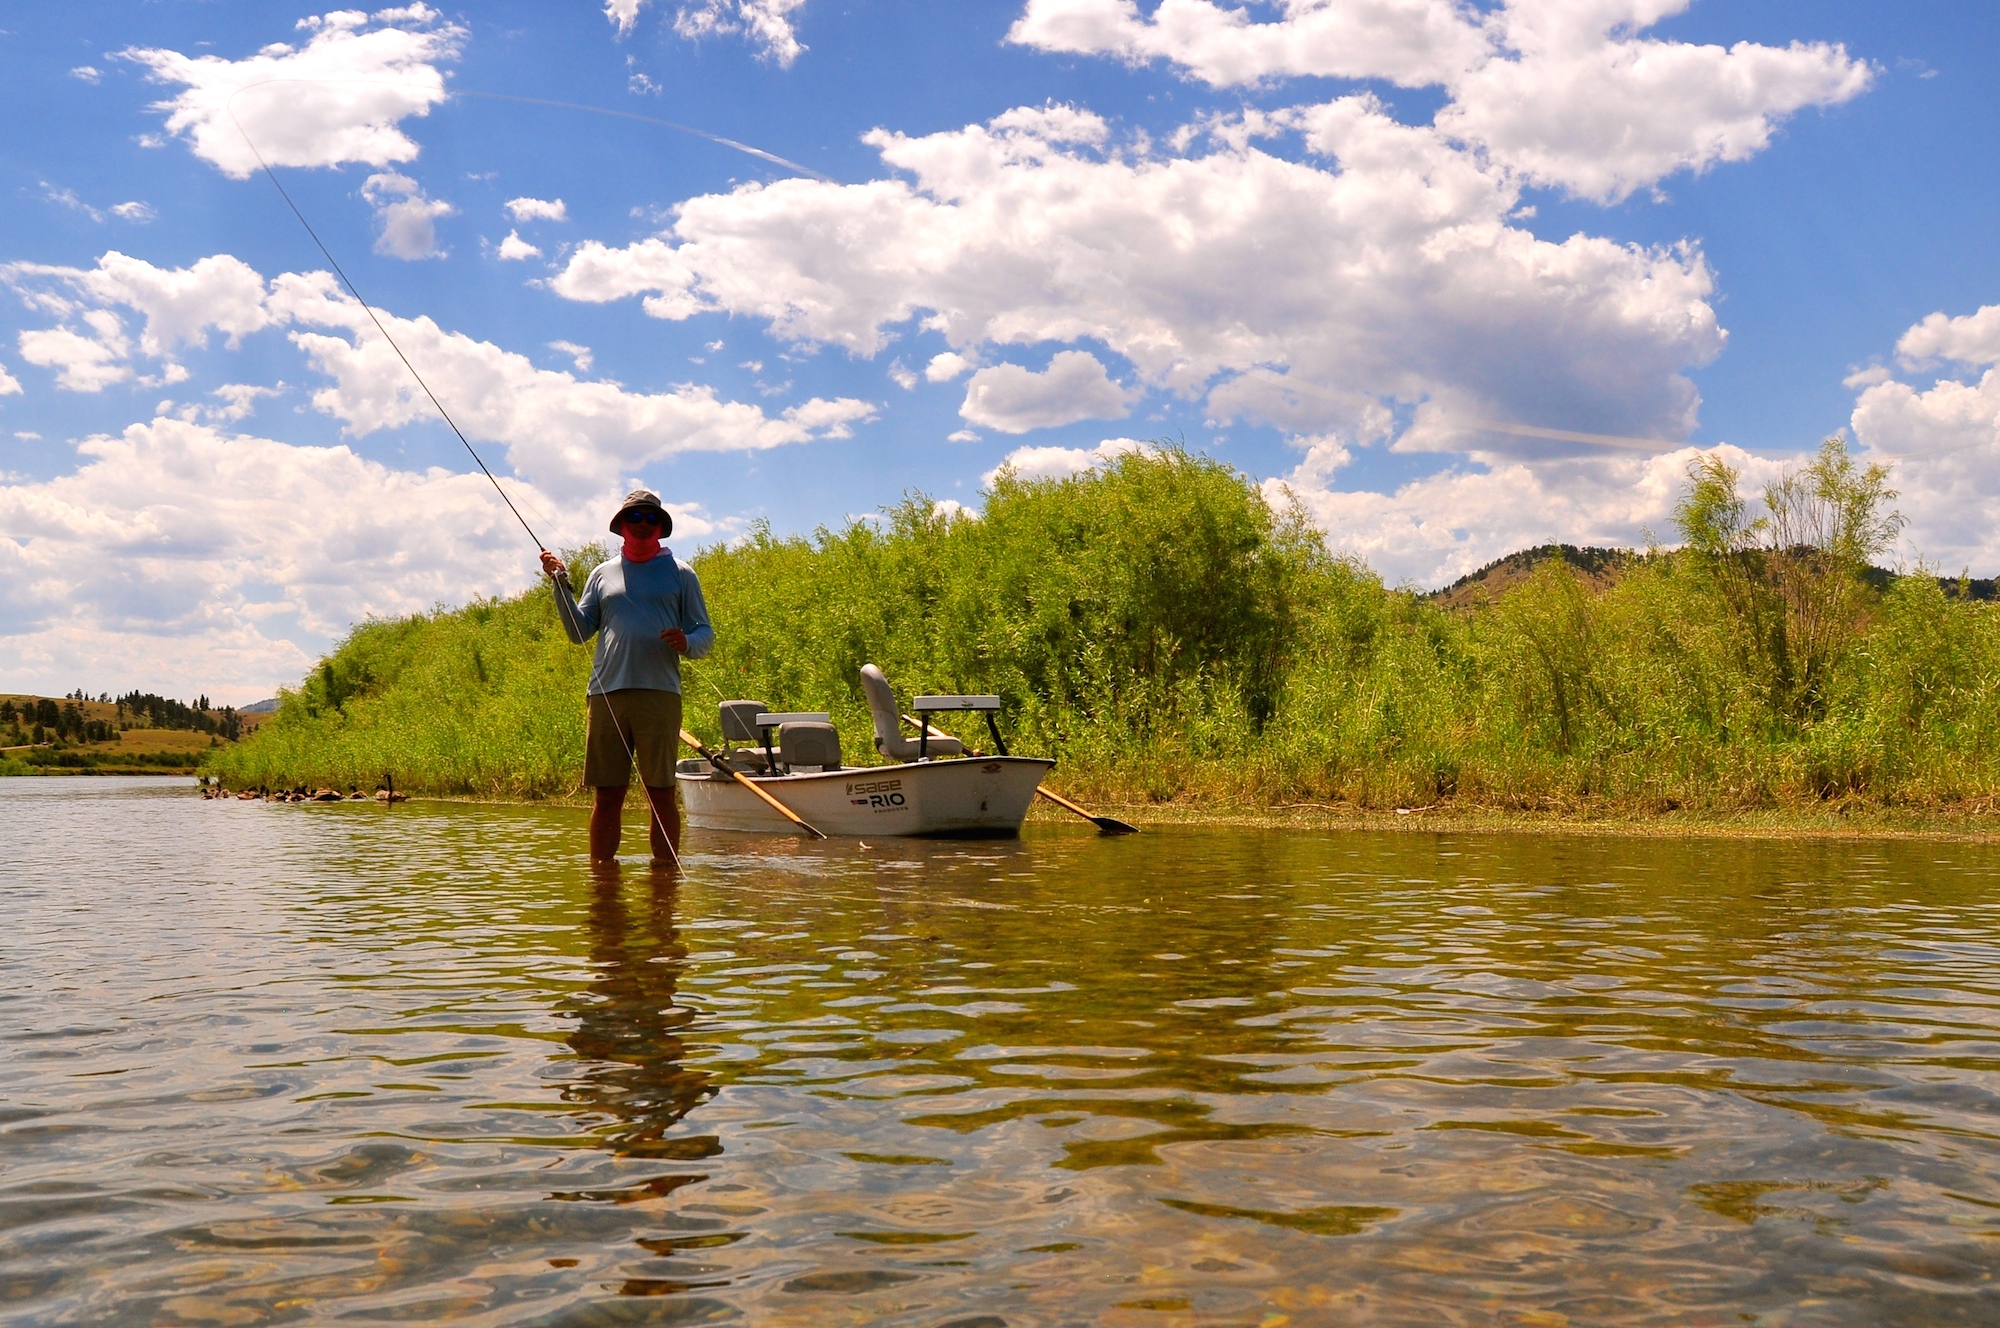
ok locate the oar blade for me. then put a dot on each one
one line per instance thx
(1111, 825)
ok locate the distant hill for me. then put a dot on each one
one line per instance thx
(268, 706)
(1603, 567)
(137, 733)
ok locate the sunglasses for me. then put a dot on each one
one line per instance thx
(646, 518)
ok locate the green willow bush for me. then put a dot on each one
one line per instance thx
(1164, 633)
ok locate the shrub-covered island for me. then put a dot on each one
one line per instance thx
(1167, 635)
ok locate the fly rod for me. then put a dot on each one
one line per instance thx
(348, 282)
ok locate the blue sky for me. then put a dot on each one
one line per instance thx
(1395, 256)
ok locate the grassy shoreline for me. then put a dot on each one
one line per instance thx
(1972, 827)
(1174, 640)
(1970, 823)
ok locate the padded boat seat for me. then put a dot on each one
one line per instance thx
(806, 743)
(739, 722)
(889, 739)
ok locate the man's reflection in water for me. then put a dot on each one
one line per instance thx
(628, 1029)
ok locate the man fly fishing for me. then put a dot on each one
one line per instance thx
(646, 610)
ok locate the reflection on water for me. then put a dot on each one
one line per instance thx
(296, 1063)
(631, 1060)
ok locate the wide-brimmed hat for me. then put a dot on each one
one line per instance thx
(643, 500)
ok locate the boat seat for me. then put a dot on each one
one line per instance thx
(804, 745)
(739, 722)
(739, 725)
(889, 739)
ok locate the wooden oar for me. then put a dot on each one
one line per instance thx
(751, 784)
(1108, 825)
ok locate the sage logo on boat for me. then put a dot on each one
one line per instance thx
(884, 795)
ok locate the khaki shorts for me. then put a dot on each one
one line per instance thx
(636, 723)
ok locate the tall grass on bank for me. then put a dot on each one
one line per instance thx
(1164, 633)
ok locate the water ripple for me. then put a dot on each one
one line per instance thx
(282, 1063)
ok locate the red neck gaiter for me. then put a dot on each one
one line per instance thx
(641, 548)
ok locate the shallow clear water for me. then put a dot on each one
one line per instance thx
(286, 1063)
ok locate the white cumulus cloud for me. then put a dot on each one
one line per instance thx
(766, 24)
(1433, 530)
(1942, 441)
(1563, 92)
(339, 98)
(180, 558)
(181, 305)
(515, 249)
(237, 557)
(537, 209)
(570, 435)
(239, 401)
(406, 219)
(1382, 274)
(945, 366)
(1050, 463)
(1575, 100)
(1074, 387)
(1409, 42)
(1940, 438)
(624, 14)
(1969, 339)
(88, 361)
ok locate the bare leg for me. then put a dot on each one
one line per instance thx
(606, 819)
(665, 824)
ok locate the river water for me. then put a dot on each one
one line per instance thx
(413, 1064)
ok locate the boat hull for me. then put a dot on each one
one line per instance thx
(973, 797)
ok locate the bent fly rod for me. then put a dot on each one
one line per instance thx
(230, 108)
(444, 414)
(366, 308)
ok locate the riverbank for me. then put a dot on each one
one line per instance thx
(1980, 824)
(1966, 823)
(1171, 638)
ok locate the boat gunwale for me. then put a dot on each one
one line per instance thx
(711, 774)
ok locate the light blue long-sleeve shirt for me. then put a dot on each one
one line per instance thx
(626, 605)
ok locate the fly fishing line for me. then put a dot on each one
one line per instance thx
(653, 811)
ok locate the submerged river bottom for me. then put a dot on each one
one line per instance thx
(365, 1064)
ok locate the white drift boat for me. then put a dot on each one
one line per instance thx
(970, 796)
(932, 787)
